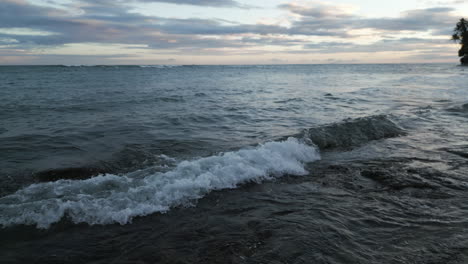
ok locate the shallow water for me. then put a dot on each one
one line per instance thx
(234, 164)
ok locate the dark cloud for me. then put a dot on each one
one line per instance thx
(214, 3)
(203, 3)
(113, 23)
(330, 19)
(213, 27)
(21, 14)
(319, 19)
(52, 59)
(118, 26)
(317, 11)
(105, 21)
(414, 20)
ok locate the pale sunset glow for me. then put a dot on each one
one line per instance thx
(227, 31)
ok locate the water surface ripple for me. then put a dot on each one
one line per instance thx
(234, 164)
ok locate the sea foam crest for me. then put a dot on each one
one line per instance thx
(111, 198)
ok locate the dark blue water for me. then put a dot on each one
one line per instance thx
(350, 163)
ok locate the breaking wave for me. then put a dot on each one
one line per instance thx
(107, 199)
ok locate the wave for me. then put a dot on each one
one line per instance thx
(107, 199)
(289, 100)
(128, 159)
(354, 132)
(98, 65)
(462, 109)
(68, 173)
(160, 66)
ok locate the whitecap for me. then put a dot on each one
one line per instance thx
(108, 199)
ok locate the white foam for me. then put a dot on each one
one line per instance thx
(110, 198)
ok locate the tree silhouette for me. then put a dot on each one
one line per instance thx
(460, 35)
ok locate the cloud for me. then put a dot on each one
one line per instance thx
(214, 3)
(321, 17)
(113, 22)
(203, 3)
(318, 10)
(449, 2)
(278, 61)
(413, 20)
(384, 45)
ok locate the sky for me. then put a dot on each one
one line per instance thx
(147, 32)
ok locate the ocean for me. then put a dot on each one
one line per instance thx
(234, 164)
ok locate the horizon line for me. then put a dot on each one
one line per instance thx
(260, 64)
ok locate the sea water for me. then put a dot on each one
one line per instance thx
(285, 163)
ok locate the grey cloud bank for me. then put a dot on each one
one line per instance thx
(113, 22)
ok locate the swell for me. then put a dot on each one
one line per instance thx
(345, 134)
(109, 198)
(354, 132)
(459, 110)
